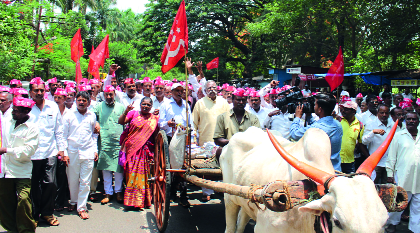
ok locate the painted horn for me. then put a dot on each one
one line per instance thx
(309, 171)
(370, 163)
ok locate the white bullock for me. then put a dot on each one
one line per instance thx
(251, 158)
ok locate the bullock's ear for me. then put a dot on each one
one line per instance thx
(318, 206)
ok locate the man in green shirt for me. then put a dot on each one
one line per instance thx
(235, 120)
(107, 114)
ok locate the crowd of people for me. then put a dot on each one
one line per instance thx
(59, 137)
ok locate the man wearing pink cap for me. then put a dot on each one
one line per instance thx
(14, 83)
(15, 178)
(46, 115)
(130, 97)
(147, 86)
(52, 84)
(107, 113)
(159, 97)
(256, 108)
(196, 81)
(271, 90)
(71, 95)
(235, 120)
(61, 198)
(227, 93)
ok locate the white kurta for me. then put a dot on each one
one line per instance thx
(171, 110)
(280, 123)
(262, 114)
(404, 161)
(373, 141)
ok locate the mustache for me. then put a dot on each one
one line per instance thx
(212, 91)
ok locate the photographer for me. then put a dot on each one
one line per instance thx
(324, 106)
(279, 120)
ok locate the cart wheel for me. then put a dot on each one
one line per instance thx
(162, 181)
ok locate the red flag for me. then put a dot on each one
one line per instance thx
(335, 75)
(177, 45)
(78, 73)
(213, 64)
(93, 67)
(76, 46)
(101, 52)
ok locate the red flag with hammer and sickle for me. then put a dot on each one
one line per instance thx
(335, 75)
(213, 64)
(177, 45)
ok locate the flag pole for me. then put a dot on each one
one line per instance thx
(188, 141)
(217, 75)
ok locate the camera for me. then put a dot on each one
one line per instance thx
(293, 98)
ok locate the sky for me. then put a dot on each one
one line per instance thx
(137, 6)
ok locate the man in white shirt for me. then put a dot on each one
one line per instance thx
(82, 150)
(173, 112)
(6, 99)
(370, 114)
(256, 108)
(15, 176)
(403, 168)
(71, 95)
(306, 91)
(407, 94)
(52, 84)
(375, 133)
(279, 120)
(46, 115)
(159, 98)
(130, 96)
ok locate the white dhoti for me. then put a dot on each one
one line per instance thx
(94, 180)
(108, 182)
(79, 174)
(414, 222)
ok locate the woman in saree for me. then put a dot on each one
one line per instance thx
(138, 148)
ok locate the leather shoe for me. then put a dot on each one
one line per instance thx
(391, 228)
(106, 199)
(120, 197)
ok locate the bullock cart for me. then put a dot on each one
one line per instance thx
(278, 196)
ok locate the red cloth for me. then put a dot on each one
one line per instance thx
(213, 64)
(93, 67)
(76, 46)
(101, 52)
(177, 45)
(335, 75)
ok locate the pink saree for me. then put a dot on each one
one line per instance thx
(139, 151)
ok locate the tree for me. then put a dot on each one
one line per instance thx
(16, 44)
(221, 22)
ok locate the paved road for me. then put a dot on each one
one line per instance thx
(113, 217)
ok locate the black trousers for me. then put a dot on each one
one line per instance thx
(44, 187)
(63, 192)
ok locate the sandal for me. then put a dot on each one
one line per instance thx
(83, 214)
(71, 208)
(51, 220)
(205, 198)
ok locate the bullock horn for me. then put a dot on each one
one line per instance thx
(372, 161)
(309, 171)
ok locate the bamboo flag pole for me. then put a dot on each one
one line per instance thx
(217, 75)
